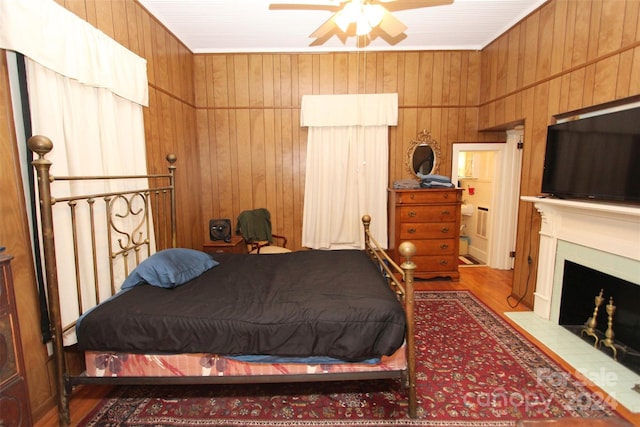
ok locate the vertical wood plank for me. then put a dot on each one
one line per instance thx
(390, 72)
(612, 27)
(105, 18)
(425, 94)
(545, 42)
(531, 48)
(120, 28)
(437, 78)
(501, 66)
(581, 33)
(605, 79)
(634, 81)
(255, 83)
(341, 73)
(558, 40)
(594, 27)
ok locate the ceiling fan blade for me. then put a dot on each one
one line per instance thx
(391, 25)
(377, 32)
(324, 29)
(394, 5)
(301, 6)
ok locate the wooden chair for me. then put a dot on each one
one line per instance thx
(255, 228)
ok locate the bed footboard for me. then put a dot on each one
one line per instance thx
(400, 278)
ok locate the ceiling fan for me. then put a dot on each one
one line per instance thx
(361, 15)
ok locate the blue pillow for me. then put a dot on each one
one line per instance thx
(170, 268)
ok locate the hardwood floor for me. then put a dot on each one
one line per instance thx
(492, 287)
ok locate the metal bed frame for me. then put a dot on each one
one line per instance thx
(154, 206)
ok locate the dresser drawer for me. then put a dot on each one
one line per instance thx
(426, 197)
(427, 230)
(443, 213)
(435, 246)
(435, 263)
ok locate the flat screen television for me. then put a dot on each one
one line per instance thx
(594, 158)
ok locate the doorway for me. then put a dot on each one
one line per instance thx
(491, 191)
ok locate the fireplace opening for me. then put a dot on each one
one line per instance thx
(580, 287)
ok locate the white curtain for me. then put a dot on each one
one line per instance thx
(94, 133)
(347, 168)
(57, 39)
(86, 94)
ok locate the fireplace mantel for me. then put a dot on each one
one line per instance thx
(607, 227)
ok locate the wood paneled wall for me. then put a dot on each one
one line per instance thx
(566, 57)
(253, 150)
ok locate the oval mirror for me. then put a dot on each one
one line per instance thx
(423, 155)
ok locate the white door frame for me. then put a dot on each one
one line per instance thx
(505, 195)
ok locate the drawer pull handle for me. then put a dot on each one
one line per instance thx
(411, 230)
(411, 196)
(444, 246)
(412, 214)
(444, 229)
(446, 213)
(444, 262)
(446, 195)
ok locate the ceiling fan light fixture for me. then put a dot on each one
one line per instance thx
(347, 15)
(362, 26)
(374, 14)
(341, 21)
(361, 16)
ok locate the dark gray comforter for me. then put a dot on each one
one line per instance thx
(299, 304)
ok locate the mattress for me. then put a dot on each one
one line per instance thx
(299, 304)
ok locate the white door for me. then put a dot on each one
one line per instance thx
(505, 195)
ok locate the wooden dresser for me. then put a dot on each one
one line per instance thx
(14, 398)
(430, 218)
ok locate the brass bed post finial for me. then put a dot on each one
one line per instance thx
(171, 158)
(42, 145)
(366, 222)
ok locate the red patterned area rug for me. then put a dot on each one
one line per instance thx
(474, 369)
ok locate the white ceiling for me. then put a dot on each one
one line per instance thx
(218, 26)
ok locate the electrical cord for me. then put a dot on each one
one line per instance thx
(526, 288)
(526, 284)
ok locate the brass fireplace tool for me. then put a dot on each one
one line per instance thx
(609, 335)
(591, 323)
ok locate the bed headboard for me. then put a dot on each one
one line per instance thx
(104, 227)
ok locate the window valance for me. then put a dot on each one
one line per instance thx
(59, 40)
(349, 110)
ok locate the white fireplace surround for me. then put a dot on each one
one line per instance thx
(602, 236)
